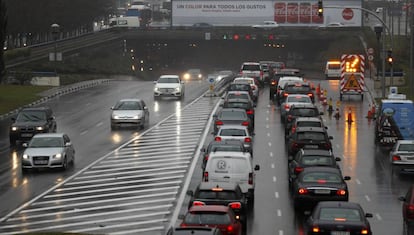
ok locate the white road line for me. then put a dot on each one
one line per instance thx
(378, 216)
(83, 132)
(280, 232)
(357, 181)
(279, 212)
(140, 166)
(367, 198)
(274, 179)
(99, 124)
(267, 118)
(267, 126)
(276, 194)
(268, 134)
(273, 166)
(271, 154)
(270, 144)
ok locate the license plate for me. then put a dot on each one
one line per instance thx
(311, 146)
(26, 134)
(322, 191)
(340, 233)
(40, 162)
(410, 158)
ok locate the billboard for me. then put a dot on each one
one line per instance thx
(250, 12)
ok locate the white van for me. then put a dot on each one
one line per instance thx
(235, 167)
(125, 22)
(333, 69)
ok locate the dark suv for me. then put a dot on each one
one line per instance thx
(308, 138)
(30, 121)
(300, 110)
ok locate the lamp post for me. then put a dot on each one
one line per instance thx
(55, 33)
(378, 31)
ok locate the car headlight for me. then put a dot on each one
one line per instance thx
(57, 156)
(200, 76)
(177, 89)
(187, 76)
(39, 128)
(14, 128)
(136, 117)
(115, 117)
(25, 156)
(156, 89)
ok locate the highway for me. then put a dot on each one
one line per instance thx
(101, 194)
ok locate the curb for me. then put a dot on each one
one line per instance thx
(56, 92)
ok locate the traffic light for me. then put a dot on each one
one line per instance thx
(320, 8)
(389, 57)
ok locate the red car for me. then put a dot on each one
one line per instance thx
(221, 217)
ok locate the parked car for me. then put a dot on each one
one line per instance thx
(218, 216)
(48, 150)
(316, 184)
(31, 121)
(129, 112)
(338, 218)
(169, 86)
(402, 156)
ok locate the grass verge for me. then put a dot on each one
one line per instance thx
(15, 96)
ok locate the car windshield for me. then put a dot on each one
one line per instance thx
(46, 142)
(207, 218)
(298, 99)
(210, 194)
(232, 132)
(128, 105)
(233, 115)
(168, 80)
(321, 177)
(340, 214)
(228, 148)
(31, 116)
(311, 135)
(317, 160)
(406, 147)
(304, 112)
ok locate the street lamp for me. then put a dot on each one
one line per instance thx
(55, 33)
(378, 31)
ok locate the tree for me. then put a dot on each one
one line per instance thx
(3, 25)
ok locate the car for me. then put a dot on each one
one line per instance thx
(309, 138)
(193, 74)
(31, 121)
(252, 83)
(236, 132)
(218, 216)
(233, 167)
(232, 116)
(333, 25)
(315, 184)
(297, 87)
(194, 231)
(333, 69)
(242, 104)
(225, 145)
(281, 84)
(279, 73)
(408, 208)
(252, 70)
(266, 25)
(48, 150)
(310, 158)
(238, 95)
(202, 25)
(169, 85)
(300, 110)
(240, 86)
(291, 100)
(305, 122)
(338, 217)
(127, 112)
(402, 156)
(222, 193)
(266, 71)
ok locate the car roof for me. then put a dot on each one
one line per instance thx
(308, 119)
(232, 110)
(342, 204)
(237, 100)
(48, 135)
(209, 208)
(230, 154)
(249, 63)
(169, 76)
(226, 142)
(306, 128)
(405, 142)
(224, 185)
(194, 230)
(130, 99)
(238, 92)
(229, 126)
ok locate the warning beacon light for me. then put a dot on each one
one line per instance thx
(352, 65)
(320, 8)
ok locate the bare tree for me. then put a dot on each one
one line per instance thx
(3, 25)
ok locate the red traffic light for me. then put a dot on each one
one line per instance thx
(236, 37)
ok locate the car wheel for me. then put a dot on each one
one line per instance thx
(12, 142)
(113, 126)
(155, 97)
(65, 164)
(24, 170)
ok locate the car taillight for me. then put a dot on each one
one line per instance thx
(206, 158)
(217, 138)
(230, 229)
(273, 82)
(219, 123)
(289, 118)
(250, 111)
(285, 94)
(293, 129)
(303, 191)
(261, 73)
(245, 123)
(198, 203)
(295, 145)
(247, 140)
(315, 230)
(298, 169)
(341, 192)
(310, 95)
(364, 231)
(286, 107)
(205, 176)
(235, 205)
(396, 158)
(328, 146)
(253, 88)
(250, 178)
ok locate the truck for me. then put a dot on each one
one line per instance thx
(124, 22)
(394, 120)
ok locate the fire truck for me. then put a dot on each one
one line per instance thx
(352, 75)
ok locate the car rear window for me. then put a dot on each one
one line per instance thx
(238, 96)
(251, 67)
(232, 132)
(304, 112)
(207, 218)
(317, 160)
(128, 105)
(299, 99)
(209, 194)
(311, 135)
(321, 177)
(334, 66)
(233, 115)
(242, 105)
(227, 148)
(239, 87)
(406, 147)
(339, 214)
(297, 88)
(308, 124)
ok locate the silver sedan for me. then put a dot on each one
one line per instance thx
(129, 112)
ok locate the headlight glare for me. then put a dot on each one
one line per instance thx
(25, 156)
(39, 128)
(58, 155)
(14, 128)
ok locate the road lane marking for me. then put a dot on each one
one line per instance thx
(84, 132)
(267, 118)
(276, 194)
(367, 197)
(271, 154)
(273, 166)
(378, 216)
(268, 134)
(280, 232)
(279, 212)
(357, 181)
(267, 126)
(274, 179)
(99, 124)
(270, 144)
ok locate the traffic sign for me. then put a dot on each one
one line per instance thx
(352, 82)
(211, 80)
(370, 57)
(370, 51)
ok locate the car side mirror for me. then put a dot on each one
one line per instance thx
(68, 144)
(347, 177)
(331, 137)
(203, 150)
(182, 82)
(145, 108)
(257, 167)
(190, 193)
(337, 159)
(368, 215)
(326, 128)
(181, 217)
(25, 145)
(155, 82)
(112, 108)
(402, 198)
(52, 118)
